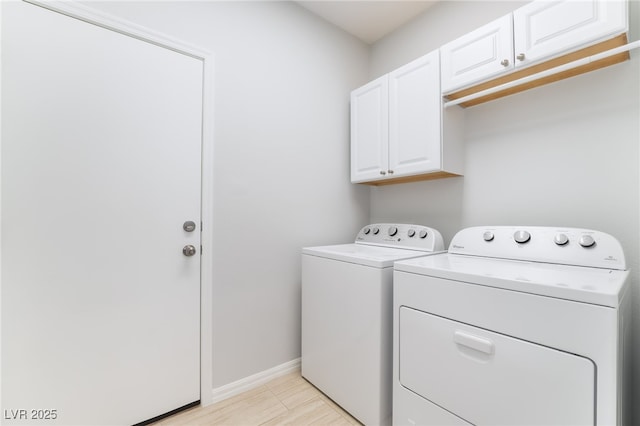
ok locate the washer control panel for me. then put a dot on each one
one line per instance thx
(414, 237)
(566, 246)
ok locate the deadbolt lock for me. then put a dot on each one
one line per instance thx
(189, 226)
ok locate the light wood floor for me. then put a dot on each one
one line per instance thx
(286, 400)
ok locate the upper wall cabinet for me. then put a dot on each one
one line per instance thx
(533, 34)
(478, 55)
(370, 130)
(397, 127)
(543, 29)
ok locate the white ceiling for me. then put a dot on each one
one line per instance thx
(367, 20)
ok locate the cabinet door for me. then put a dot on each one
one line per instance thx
(544, 29)
(478, 55)
(370, 131)
(414, 117)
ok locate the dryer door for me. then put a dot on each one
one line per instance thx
(489, 378)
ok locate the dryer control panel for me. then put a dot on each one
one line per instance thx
(414, 237)
(566, 246)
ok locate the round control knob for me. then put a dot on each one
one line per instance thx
(488, 236)
(561, 239)
(393, 231)
(423, 233)
(411, 233)
(521, 237)
(587, 241)
(376, 230)
(366, 231)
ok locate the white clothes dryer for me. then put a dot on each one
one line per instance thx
(513, 326)
(347, 315)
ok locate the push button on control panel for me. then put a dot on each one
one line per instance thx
(488, 236)
(521, 237)
(587, 241)
(561, 239)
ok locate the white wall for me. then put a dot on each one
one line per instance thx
(282, 79)
(561, 155)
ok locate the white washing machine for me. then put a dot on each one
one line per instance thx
(347, 315)
(513, 326)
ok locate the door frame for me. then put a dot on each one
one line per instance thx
(110, 22)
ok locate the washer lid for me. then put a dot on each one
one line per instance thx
(597, 286)
(361, 254)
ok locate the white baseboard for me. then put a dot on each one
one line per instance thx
(242, 385)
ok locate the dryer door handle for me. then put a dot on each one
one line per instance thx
(477, 343)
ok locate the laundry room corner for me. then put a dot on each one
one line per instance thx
(564, 154)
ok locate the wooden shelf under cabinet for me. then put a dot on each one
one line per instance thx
(620, 40)
(414, 178)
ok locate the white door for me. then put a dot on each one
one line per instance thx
(101, 159)
(478, 55)
(414, 117)
(543, 29)
(370, 131)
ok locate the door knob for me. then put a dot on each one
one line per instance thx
(189, 226)
(189, 250)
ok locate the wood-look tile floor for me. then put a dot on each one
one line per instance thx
(286, 400)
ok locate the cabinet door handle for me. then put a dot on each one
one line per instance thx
(390, 172)
(474, 342)
(520, 57)
(505, 63)
(382, 172)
